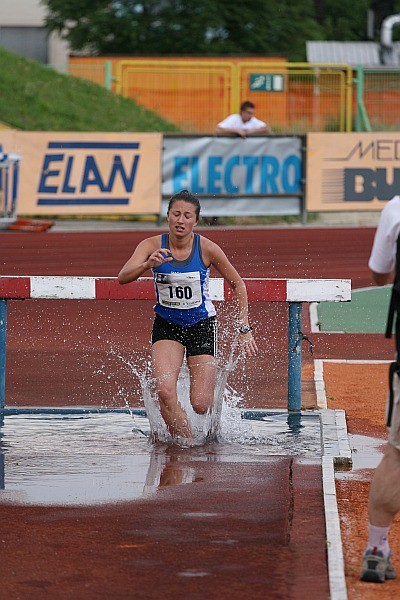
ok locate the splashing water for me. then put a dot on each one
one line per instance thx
(205, 427)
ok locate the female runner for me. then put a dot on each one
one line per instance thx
(185, 317)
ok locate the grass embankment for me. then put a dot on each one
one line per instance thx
(34, 97)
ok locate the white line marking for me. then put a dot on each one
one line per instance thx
(337, 579)
(352, 361)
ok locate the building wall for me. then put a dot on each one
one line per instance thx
(22, 31)
(22, 13)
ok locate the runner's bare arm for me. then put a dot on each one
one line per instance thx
(148, 254)
(213, 254)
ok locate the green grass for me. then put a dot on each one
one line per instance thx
(34, 97)
(366, 313)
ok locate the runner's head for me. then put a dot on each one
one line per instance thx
(186, 196)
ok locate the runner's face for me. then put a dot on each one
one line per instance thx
(182, 217)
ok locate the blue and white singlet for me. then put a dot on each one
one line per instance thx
(182, 287)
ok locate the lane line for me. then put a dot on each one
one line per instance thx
(337, 579)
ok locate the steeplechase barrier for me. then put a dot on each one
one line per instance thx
(293, 291)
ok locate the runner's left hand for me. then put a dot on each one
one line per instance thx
(247, 344)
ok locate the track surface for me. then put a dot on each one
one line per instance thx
(82, 337)
(239, 532)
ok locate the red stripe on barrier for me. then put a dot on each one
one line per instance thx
(110, 289)
(267, 290)
(18, 288)
(272, 290)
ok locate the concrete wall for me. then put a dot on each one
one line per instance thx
(22, 12)
(22, 31)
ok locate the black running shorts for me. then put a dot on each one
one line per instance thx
(200, 338)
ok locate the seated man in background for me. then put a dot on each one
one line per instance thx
(245, 123)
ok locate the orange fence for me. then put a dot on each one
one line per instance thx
(196, 93)
(381, 93)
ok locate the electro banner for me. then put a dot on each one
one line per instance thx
(352, 171)
(87, 173)
(233, 167)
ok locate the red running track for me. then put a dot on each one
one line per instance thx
(240, 530)
(83, 337)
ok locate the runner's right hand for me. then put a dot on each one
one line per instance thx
(158, 257)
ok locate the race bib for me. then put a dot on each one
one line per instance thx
(179, 290)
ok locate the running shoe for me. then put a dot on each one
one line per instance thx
(376, 567)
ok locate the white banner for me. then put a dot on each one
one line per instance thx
(253, 175)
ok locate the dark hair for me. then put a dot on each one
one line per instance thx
(186, 196)
(246, 104)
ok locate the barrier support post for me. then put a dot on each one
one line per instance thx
(294, 356)
(3, 334)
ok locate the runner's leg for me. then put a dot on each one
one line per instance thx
(167, 357)
(203, 375)
(384, 497)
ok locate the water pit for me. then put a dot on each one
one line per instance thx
(106, 457)
(366, 452)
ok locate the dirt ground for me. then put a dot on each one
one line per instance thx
(360, 390)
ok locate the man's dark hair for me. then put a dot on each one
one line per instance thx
(246, 104)
(186, 196)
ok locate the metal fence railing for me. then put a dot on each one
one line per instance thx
(378, 94)
(294, 98)
(99, 72)
(196, 93)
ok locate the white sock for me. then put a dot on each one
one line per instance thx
(378, 538)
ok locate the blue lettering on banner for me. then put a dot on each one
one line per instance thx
(249, 162)
(214, 178)
(73, 176)
(241, 174)
(197, 188)
(269, 174)
(291, 174)
(231, 163)
(66, 188)
(47, 173)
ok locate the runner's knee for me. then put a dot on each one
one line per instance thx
(201, 404)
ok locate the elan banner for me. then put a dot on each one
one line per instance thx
(86, 173)
(352, 171)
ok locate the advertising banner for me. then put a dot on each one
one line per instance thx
(87, 173)
(246, 176)
(352, 171)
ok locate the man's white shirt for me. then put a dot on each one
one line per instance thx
(383, 254)
(235, 122)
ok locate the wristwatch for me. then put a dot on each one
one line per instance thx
(244, 329)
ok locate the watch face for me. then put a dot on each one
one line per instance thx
(244, 328)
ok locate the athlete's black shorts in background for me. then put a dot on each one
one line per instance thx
(200, 338)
